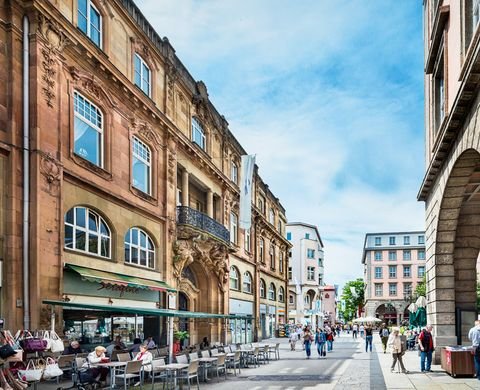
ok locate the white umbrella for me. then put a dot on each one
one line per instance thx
(421, 302)
(367, 319)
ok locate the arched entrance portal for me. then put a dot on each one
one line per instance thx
(387, 313)
(451, 265)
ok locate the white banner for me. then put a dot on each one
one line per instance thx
(246, 178)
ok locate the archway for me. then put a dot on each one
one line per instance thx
(387, 313)
(452, 275)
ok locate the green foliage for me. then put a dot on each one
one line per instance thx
(181, 335)
(352, 303)
(421, 289)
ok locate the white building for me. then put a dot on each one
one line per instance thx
(305, 273)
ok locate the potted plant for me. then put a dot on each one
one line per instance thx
(179, 337)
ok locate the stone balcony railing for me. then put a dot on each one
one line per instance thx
(199, 220)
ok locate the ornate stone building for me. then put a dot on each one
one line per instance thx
(451, 183)
(128, 177)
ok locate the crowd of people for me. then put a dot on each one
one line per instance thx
(322, 337)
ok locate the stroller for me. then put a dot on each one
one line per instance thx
(82, 377)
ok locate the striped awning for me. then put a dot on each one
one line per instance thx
(99, 276)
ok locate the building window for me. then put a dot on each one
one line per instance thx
(88, 130)
(289, 273)
(233, 228)
(306, 300)
(378, 289)
(392, 255)
(407, 255)
(139, 248)
(421, 240)
(271, 217)
(311, 253)
(378, 241)
(421, 271)
(280, 226)
(234, 173)
(290, 299)
(391, 240)
(307, 236)
(198, 134)
(378, 255)
(392, 289)
(262, 250)
(263, 289)
(234, 282)
(407, 289)
(272, 294)
(289, 236)
(141, 166)
(261, 204)
(247, 282)
(407, 271)
(421, 254)
(392, 271)
(86, 231)
(281, 294)
(320, 262)
(90, 21)
(142, 75)
(439, 92)
(475, 14)
(280, 262)
(247, 240)
(272, 256)
(378, 273)
(310, 273)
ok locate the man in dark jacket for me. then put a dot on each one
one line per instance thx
(425, 342)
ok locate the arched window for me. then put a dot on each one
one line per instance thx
(281, 294)
(198, 134)
(272, 292)
(306, 300)
(139, 248)
(142, 75)
(263, 289)
(88, 130)
(234, 172)
(86, 231)
(141, 166)
(247, 282)
(290, 299)
(234, 279)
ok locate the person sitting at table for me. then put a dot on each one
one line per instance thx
(150, 342)
(205, 343)
(145, 356)
(73, 348)
(116, 345)
(135, 348)
(96, 357)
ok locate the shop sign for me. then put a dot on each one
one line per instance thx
(120, 288)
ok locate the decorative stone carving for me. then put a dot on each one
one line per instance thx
(172, 162)
(54, 40)
(144, 51)
(172, 77)
(183, 250)
(146, 131)
(171, 226)
(51, 169)
(91, 85)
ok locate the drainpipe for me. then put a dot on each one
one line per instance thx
(26, 176)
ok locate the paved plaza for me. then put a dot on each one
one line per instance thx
(347, 367)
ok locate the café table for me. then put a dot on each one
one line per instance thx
(204, 362)
(112, 366)
(173, 368)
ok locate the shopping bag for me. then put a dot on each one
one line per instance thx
(31, 373)
(32, 344)
(56, 343)
(51, 369)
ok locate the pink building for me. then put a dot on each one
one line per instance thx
(393, 265)
(329, 299)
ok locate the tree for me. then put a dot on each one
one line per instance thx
(353, 296)
(421, 289)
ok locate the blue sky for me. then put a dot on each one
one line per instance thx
(329, 96)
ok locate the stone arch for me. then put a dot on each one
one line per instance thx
(388, 313)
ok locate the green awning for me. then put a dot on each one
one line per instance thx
(140, 311)
(96, 275)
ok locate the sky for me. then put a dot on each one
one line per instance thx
(329, 96)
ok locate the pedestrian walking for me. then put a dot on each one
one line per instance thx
(384, 333)
(293, 340)
(396, 346)
(425, 342)
(368, 338)
(362, 330)
(320, 341)
(474, 337)
(354, 331)
(330, 338)
(307, 341)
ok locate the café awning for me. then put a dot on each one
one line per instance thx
(140, 311)
(99, 276)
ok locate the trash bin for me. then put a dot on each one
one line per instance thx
(457, 360)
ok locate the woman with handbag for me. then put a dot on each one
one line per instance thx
(396, 346)
(307, 340)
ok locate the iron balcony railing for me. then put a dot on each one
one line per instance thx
(199, 220)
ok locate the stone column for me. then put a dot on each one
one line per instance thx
(185, 192)
(210, 203)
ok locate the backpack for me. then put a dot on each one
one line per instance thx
(384, 332)
(426, 341)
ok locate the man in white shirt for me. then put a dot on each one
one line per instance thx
(474, 337)
(354, 331)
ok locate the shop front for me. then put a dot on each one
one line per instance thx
(241, 321)
(92, 286)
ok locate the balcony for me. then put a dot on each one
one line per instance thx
(198, 220)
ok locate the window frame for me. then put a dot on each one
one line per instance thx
(392, 240)
(90, 4)
(197, 126)
(247, 240)
(143, 64)
(281, 294)
(247, 281)
(392, 272)
(233, 228)
(421, 267)
(394, 286)
(392, 255)
(139, 248)
(379, 257)
(261, 251)
(272, 257)
(234, 271)
(376, 290)
(311, 273)
(406, 240)
(272, 297)
(263, 289)
(409, 268)
(234, 172)
(407, 255)
(378, 272)
(421, 257)
(378, 241)
(148, 164)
